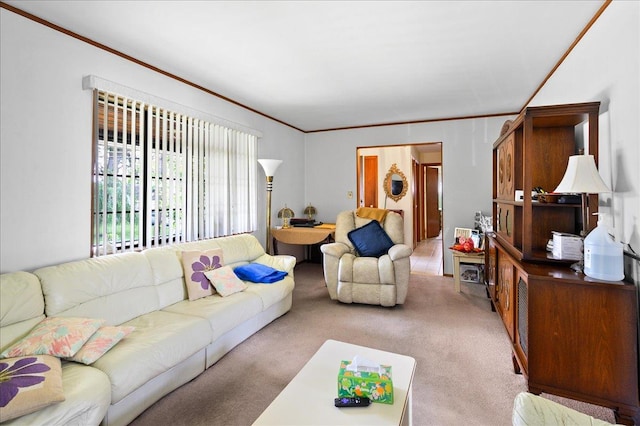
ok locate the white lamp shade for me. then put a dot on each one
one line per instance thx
(582, 177)
(269, 166)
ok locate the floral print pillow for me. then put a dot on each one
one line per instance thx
(104, 339)
(195, 264)
(28, 384)
(57, 336)
(225, 281)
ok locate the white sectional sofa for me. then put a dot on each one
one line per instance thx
(174, 340)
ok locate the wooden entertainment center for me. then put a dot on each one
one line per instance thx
(572, 336)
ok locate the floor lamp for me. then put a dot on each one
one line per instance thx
(269, 166)
(582, 177)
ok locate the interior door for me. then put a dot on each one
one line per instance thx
(431, 196)
(416, 191)
(370, 180)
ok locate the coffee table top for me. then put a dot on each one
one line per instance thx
(308, 398)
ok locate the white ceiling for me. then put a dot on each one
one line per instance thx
(318, 65)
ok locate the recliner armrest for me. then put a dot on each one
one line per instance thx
(335, 249)
(530, 409)
(399, 251)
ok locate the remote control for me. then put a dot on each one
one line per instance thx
(355, 401)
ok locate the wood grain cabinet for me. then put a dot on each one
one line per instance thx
(571, 335)
(506, 292)
(533, 152)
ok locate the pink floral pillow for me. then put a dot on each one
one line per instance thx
(195, 264)
(225, 281)
(28, 384)
(57, 336)
(104, 339)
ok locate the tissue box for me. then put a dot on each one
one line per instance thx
(377, 386)
(566, 246)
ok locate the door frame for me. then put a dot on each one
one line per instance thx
(417, 188)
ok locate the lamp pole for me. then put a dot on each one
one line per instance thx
(269, 166)
(269, 189)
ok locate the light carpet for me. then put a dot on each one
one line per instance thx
(464, 373)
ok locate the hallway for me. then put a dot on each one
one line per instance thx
(426, 259)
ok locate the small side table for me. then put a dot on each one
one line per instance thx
(303, 236)
(460, 257)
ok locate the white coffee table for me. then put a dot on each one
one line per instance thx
(308, 398)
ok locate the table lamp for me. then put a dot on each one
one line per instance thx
(582, 177)
(285, 214)
(310, 211)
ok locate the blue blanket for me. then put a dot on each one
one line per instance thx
(259, 273)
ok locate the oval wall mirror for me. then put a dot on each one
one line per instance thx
(395, 183)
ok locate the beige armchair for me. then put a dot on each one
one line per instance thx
(352, 278)
(534, 410)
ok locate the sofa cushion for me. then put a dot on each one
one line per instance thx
(195, 264)
(160, 341)
(168, 275)
(272, 293)
(236, 248)
(222, 313)
(21, 306)
(56, 336)
(370, 240)
(116, 288)
(102, 340)
(29, 384)
(225, 281)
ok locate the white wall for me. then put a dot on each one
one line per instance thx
(605, 67)
(466, 165)
(45, 141)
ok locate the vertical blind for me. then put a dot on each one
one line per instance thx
(161, 177)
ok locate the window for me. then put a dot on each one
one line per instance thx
(161, 177)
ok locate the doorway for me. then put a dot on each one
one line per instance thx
(422, 203)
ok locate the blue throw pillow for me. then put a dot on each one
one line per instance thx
(370, 240)
(259, 273)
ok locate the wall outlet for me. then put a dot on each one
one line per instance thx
(349, 194)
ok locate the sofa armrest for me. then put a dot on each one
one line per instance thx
(399, 251)
(281, 262)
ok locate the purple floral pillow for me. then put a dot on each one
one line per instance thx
(195, 264)
(28, 384)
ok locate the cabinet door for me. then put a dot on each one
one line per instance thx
(521, 317)
(506, 222)
(506, 169)
(583, 340)
(506, 292)
(491, 264)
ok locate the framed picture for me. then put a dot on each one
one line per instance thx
(471, 273)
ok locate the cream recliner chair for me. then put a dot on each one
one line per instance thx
(352, 278)
(534, 410)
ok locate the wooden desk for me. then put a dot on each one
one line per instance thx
(303, 236)
(458, 258)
